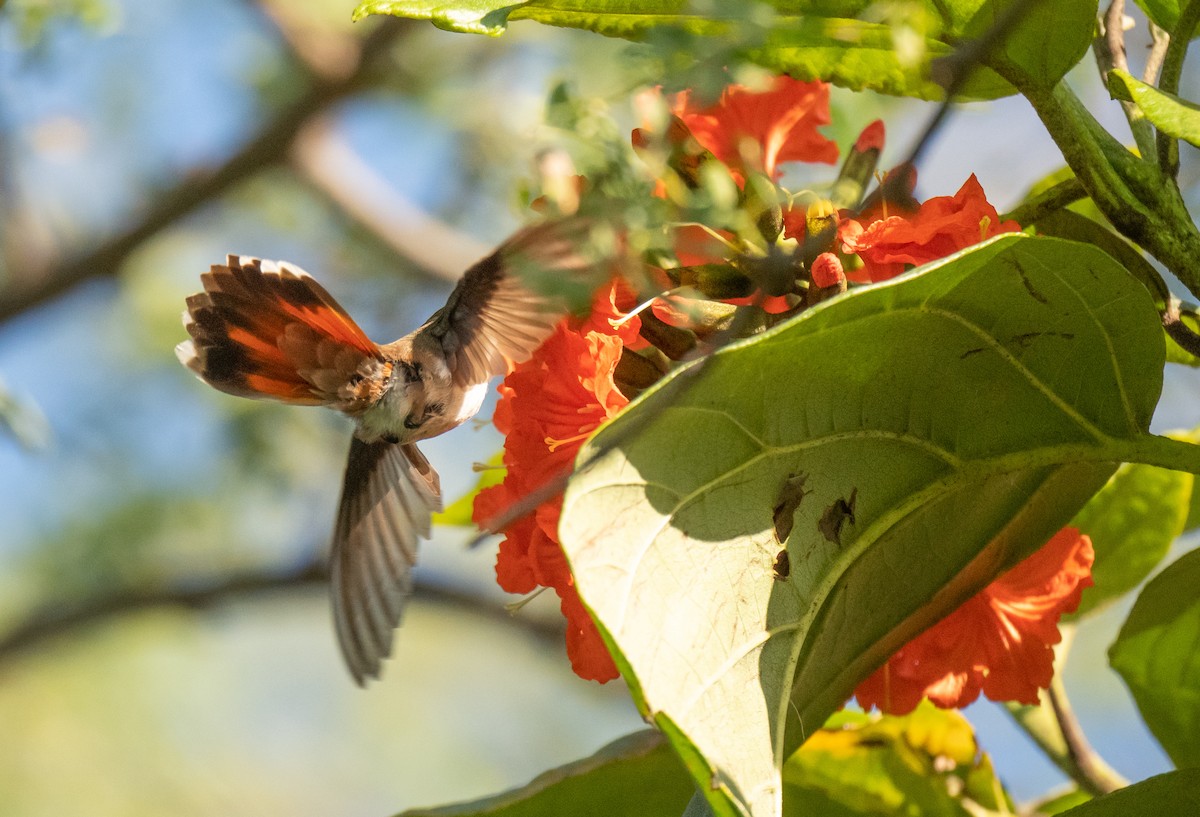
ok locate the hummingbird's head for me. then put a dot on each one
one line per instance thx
(416, 401)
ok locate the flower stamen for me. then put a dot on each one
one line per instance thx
(553, 444)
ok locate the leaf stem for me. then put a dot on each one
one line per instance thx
(1165, 452)
(1172, 69)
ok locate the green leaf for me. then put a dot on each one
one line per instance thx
(809, 39)
(1084, 222)
(1164, 13)
(459, 513)
(890, 765)
(1174, 793)
(952, 419)
(1158, 655)
(1132, 522)
(1047, 40)
(1171, 115)
(1078, 227)
(1059, 803)
(634, 776)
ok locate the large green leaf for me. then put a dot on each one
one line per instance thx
(1171, 115)
(1158, 655)
(1174, 793)
(635, 776)
(920, 436)
(809, 39)
(1132, 522)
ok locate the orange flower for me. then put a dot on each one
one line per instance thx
(755, 132)
(1000, 642)
(548, 406)
(943, 226)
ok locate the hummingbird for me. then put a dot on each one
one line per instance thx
(268, 330)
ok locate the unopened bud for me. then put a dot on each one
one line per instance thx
(827, 271)
(828, 278)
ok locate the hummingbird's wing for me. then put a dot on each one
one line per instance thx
(387, 498)
(506, 305)
(268, 330)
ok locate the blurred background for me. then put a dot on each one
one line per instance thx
(165, 639)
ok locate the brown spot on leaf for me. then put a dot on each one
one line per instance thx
(783, 565)
(1029, 287)
(836, 515)
(790, 494)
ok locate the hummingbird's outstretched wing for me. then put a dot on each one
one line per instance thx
(268, 330)
(506, 305)
(387, 498)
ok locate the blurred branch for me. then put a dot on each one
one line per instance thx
(339, 174)
(270, 146)
(336, 171)
(53, 621)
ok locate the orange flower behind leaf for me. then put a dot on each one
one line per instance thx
(548, 407)
(1000, 642)
(943, 226)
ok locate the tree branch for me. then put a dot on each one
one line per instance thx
(269, 147)
(337, 172)
(54, 622)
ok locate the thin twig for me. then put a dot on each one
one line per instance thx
(1172, 69)
(269, 147)
(1109, 50)
(1094, 774)
(963, 63)
(1179, 331)
(1053, 727)
(1159, 40)
(53, 622)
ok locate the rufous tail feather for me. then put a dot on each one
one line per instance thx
(267, 330)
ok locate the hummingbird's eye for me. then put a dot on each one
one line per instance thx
(412, 372)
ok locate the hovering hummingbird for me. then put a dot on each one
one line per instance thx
(267, 330)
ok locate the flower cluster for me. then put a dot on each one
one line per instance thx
(998, 643)
(548, 407)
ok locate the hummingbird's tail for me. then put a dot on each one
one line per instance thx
(267, 330)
